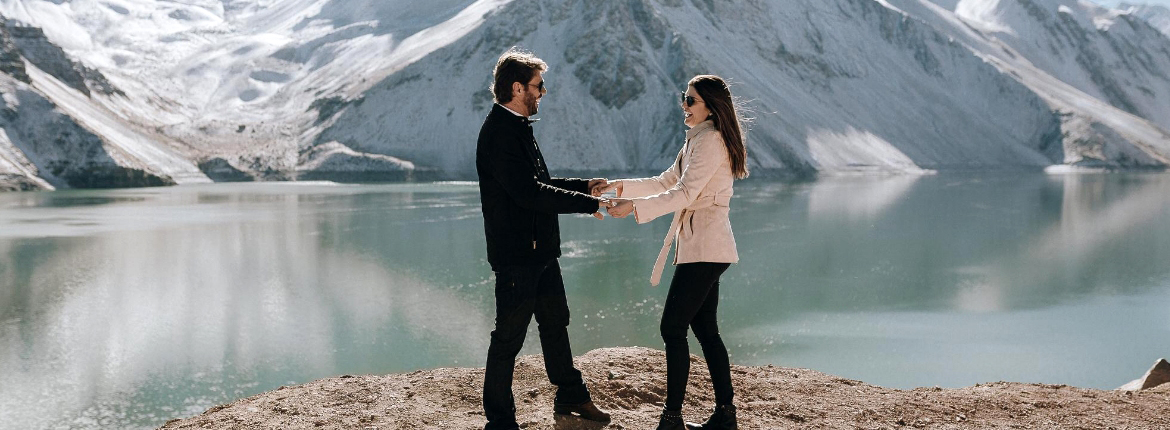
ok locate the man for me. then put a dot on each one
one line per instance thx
(520, 206)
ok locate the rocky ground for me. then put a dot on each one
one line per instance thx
(629, 382)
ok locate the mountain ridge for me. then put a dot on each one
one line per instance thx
(365, 90)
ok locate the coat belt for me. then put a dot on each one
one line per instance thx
(676, 223)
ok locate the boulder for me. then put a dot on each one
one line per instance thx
(1157, 375)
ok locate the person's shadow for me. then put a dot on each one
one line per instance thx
(573, 422)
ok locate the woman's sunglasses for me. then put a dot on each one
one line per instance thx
(689, 100)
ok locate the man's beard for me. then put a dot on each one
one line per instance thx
(530, 100)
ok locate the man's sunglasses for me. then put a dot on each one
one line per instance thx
(539, 87)
(689, 100)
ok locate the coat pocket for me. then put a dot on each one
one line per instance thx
(698, 222)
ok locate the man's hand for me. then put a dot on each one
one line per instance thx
(608, 186)
(598, 186)
(620, 208)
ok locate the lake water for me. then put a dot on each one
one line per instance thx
(125, 308)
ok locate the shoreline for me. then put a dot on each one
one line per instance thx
(13, 182)
(629, 382)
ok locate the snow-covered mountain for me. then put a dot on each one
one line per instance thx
(835, 85)
(376, 89)
(52, 135)
(1103, 71)
(1158, 16)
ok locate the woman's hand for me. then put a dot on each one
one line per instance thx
(620, 208)
(603, 203)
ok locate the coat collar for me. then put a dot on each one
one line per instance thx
(510, 115)
(699, 128)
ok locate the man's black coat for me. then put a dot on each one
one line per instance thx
(520, 200)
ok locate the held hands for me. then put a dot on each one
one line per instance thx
(617, 207)
(600, 186)
(602, 204)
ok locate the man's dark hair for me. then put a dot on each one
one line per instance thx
(515, 65)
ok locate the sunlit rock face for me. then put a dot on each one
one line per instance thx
(262, 89)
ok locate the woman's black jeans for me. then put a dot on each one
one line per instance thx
(693, 301)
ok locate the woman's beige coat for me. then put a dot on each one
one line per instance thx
(697, 189)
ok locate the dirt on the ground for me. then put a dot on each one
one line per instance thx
(630, 384)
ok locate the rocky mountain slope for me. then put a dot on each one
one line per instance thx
(52, 135)
(838, 85)
(376, 90)
(1157, 16)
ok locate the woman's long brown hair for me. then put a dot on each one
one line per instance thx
(717, 96)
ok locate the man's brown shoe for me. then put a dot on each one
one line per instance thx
(585, 410)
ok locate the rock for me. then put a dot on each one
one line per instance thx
(221, 170)
(1157, 375)
(11, 62)
(18, 182)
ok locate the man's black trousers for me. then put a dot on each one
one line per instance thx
(521, 293)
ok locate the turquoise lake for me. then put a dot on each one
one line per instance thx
(126, 308)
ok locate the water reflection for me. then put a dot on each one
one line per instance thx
(258, 290)
(126, 308)
(857, 198)
(948, 236)
(957, 269)
(1095, 343)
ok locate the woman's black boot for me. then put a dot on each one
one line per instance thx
(722, 419)
(671, 420)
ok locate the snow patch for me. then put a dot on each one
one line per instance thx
(857, 151)
(1065, 169)
(333, 156)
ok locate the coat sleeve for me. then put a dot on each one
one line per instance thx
(571, 184)
(707, 155)
(513, 169)
(642, 187)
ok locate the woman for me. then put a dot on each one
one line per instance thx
(697, 188)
